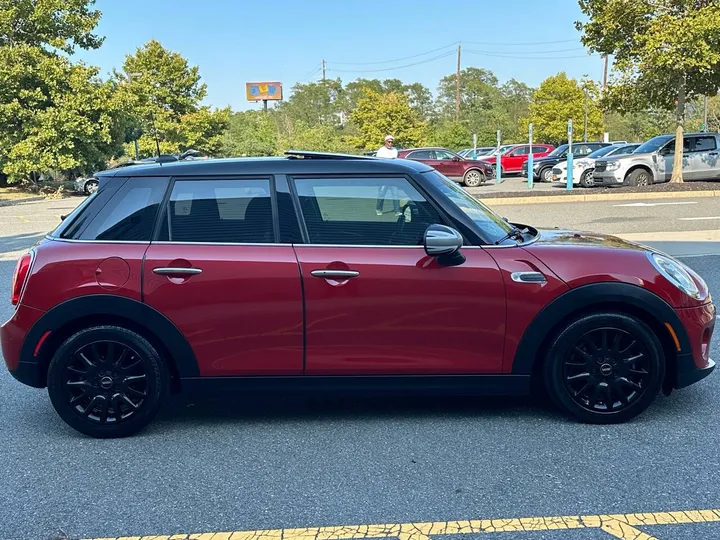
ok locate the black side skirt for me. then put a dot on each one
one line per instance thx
(483, 385)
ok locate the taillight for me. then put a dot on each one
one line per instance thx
(22, 269)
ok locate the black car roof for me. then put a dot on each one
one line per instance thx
(296, 163)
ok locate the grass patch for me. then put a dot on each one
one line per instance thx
(13, 193)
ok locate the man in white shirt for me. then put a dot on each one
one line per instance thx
(387, 150)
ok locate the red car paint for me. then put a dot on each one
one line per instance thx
(446, 162)
(513, 160)
(385, 321)
(243, 315)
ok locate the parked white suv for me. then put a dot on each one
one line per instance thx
(583, 167)
(652, 161)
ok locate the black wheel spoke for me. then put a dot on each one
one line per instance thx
(606, 370)
(106, 382)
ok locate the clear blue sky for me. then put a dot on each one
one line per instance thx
(238, 41)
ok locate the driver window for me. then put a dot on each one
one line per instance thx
(442, 154)
(364, 211)
(522, 151)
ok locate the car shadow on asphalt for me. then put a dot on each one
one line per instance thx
(19, 242)
(187, 413)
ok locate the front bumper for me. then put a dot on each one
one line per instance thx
(608, 178)
(695, 364)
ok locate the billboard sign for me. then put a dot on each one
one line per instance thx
(263, 91)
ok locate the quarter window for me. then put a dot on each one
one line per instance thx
(219, 211)
(364, 211)
(704, 144)
(130, 214)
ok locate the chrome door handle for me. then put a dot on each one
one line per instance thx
(528, 277)
(166, 271)
(330, 274)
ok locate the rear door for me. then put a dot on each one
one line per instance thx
(218, 271)
(375, 303)
(703, 158)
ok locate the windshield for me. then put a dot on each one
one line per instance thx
(559, 151)
(653, 144)
(492, 226)
(600, 152)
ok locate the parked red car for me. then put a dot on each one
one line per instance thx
(323, 272)
(470, 172)
(513, 159)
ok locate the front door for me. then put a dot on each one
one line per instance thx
(218, 275)
(513, 160)
(375, 303)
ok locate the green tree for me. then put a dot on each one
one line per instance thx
(250, 133)
(665, 52)
(638, 126)
(164, 93)
(558, 99)
(318, 138)
(56, 24)
(419, 97)
(316, 103)
(380, 114)
(54, 114)
(452, 135)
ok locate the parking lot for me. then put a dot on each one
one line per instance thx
(336, 468)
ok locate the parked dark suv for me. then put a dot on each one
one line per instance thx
(323, 272)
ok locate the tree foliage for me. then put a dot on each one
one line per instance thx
(164, 93)
(665, 53)
(250, 133)
(380, 114)
(558, 99)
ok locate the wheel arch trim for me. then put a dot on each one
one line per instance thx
(162, 329)
(581, 299)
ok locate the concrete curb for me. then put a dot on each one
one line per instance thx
(10, 202)
(594, 198)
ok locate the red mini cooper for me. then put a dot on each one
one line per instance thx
(321, 272)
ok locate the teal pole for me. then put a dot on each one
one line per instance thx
(530, 158)
(570, 157)
(498, 168)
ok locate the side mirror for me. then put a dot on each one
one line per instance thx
(444, 243)
(455, 158)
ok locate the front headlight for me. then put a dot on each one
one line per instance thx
(675, 272)
(535, 164)
(612, 166)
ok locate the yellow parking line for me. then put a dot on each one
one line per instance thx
(621, 526)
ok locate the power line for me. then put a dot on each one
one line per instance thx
(396, 59)
(519, 44)
(528, 57)
(444, 55)
(532, 52)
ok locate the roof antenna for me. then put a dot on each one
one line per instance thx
(155, 133)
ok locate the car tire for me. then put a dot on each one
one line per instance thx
(586, 179)
(107, 382)
(473, 178)
(586, 368)
(545, 174)
(639, 178)
(90, 187)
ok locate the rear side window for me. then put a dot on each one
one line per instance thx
(421, 154)
(704, 144)
(130, 214)
(219, 211)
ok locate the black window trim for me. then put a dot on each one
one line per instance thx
(446, 219)
(166, 199)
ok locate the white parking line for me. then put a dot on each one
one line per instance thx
(656, 204)
(698, 218)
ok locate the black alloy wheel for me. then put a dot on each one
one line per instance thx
(107, 381)
(605, 368)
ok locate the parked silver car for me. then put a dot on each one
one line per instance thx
(652, 161)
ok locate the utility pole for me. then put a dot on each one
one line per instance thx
(323, 70)
(457, 88)
(586, 114)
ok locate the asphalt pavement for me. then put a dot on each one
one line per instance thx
(235, 464)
